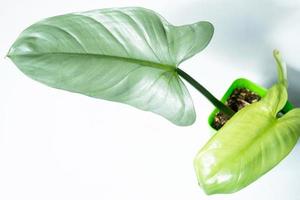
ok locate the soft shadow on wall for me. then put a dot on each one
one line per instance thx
(244, 32)
(294, 86)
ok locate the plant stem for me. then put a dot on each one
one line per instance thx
(221, 106)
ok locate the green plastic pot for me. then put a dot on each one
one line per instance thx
(245, 83)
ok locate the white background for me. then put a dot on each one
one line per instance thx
(64, 146)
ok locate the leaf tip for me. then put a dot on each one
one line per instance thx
(8, 54)
(276, 53)
(281, 68)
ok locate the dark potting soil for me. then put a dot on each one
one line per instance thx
(239, 98)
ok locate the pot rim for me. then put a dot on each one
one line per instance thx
(244, 83)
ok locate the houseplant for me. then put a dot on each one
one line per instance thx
(127, 55)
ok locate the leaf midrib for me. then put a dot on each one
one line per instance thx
(242, 152)
(165, 67)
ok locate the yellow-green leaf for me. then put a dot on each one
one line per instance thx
(251, 143)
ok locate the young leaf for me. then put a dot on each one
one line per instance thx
(251, 143)
(127, 55)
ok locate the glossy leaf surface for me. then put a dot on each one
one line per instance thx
(127, 55)
(251, 143)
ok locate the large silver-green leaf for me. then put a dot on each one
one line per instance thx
(128, 55)
(251, 143)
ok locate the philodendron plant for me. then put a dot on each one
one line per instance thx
(131, 55)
